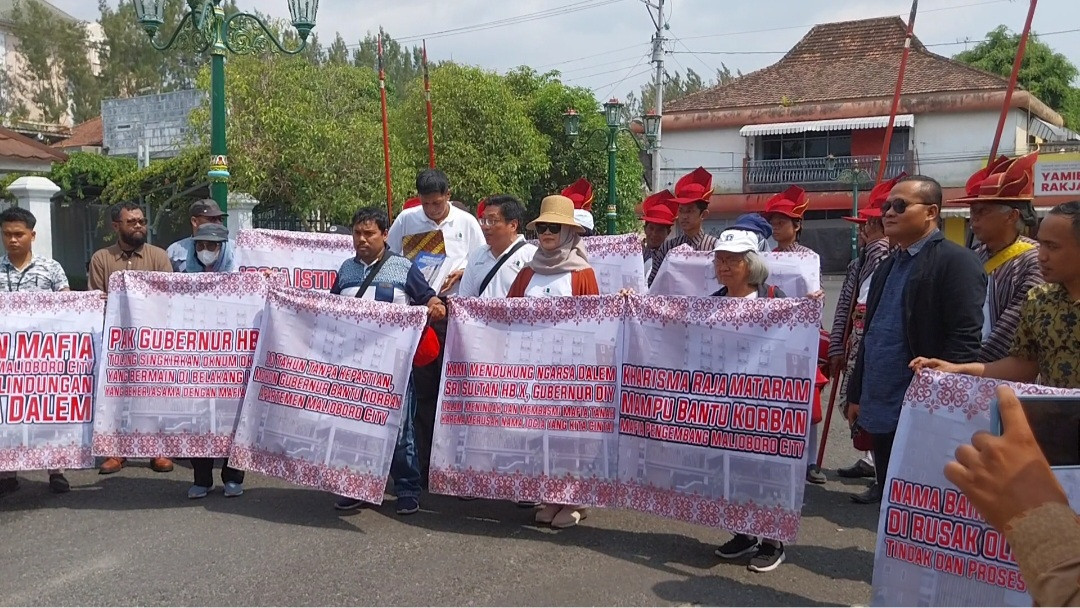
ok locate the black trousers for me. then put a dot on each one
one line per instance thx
(204, 472)
(883, 443)
(427, 383)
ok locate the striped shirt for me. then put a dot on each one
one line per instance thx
(860, 270)
(399, 281)
(42, 274)
(703, 241)
(1007, 290)
(795, 247)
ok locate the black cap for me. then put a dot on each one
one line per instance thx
(211, 232)
(207, 207)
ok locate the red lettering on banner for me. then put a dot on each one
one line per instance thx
(205, 340)
(767, 419)
(656, 378)
(64, 345)
(647, 406)
(555, 372)
(284, 272)
(958, 505)
(917, 495)
(945, 533)
(247, 339)
(307, 278)
(48, 409)
(596, 373)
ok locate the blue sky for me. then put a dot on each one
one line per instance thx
(602, 44)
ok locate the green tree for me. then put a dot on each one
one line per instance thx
(303, 137)
(1045, 73)
(56, 72)
(338, 52)
(485, 140)
(402, 64)
(130, 67)
(547, 99)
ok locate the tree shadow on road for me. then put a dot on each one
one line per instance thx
(668, 552)
(720, 590)
(834, 505)
(120, 492)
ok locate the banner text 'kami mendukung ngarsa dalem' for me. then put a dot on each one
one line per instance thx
(177, 353)
(714, 397)
(686, 272)
(527, 410)
(933, 547)
(309, 260)
(324, 402)
(689, 408)
(49, 342)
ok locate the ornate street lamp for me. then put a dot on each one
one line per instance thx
(613, 118)
(853, 175)
(652, 127)
(206, 28)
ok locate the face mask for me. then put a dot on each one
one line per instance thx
(207, 257)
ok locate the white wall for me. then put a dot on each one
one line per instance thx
(721, 151)
(950, 147)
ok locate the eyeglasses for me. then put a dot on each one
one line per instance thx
(133, 223)
(898, 205)
(487, 222)
(542, 227)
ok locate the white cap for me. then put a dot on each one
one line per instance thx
(584, 218)
(737, 241)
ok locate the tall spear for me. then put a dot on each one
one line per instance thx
(1012, 82)
(427, 100)
(884, 162)
(385, 131)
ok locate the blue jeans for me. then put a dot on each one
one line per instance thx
(405, 466)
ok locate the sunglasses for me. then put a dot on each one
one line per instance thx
(542, 227)
(898, 205)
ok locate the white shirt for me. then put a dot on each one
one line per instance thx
(461, 234)
(550, 285)
(480, 263)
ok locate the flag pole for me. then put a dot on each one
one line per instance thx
(884, 162)
(427, 101)
(1012, 82)
(385, 131)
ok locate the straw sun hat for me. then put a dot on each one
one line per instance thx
(556, 209)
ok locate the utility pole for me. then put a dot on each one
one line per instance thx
(658, 82)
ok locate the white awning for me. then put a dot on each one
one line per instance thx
(1050, 133)
(965, 211)
(840, 124)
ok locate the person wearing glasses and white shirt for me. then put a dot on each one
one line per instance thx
(21, 270)
(490, 269)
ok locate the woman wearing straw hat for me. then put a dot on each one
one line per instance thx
(560, 267)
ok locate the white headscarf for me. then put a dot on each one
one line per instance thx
(568, 257)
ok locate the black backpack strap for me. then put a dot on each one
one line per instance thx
(498, 265)
(371, 274)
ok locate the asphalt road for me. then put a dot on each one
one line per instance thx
(134, 538)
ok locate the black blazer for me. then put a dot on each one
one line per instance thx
(943, 306)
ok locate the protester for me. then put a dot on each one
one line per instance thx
(581, 194)
(492, 268)
(560, 267)
(1046, 347)
(754, 222)
(1000, 198)
(377, 273)
(205, 211)
(130, 252)
(926, 300)
(1009, 481)
(659, 216)
(692, 194)
(851, 306)
(24, 271)
(784, 212)
(742, 273)
(207, 255)
(410, 235)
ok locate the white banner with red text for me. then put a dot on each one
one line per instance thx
(933, 547)
(686, 272)
(49, 342)
(617, 262)
(689, 408)
(324, 403)
(310, 260)
(177, 353)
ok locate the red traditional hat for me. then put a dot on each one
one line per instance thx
(427, 350)
(1006, 180)
(412, 202)
(660, 208)
(693, 187)
(480, 209)
(878, 196)
(581, 193)
(791, 202)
